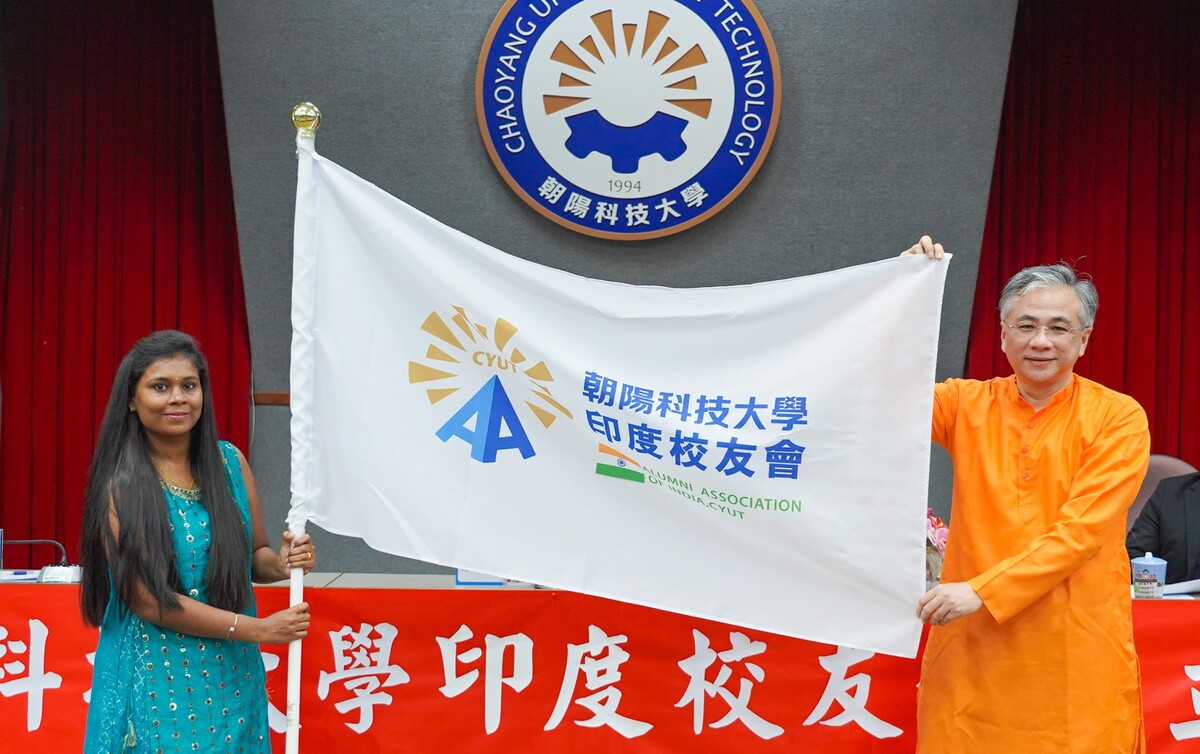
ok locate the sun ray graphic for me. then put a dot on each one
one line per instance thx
(454, 367)
(645, 46)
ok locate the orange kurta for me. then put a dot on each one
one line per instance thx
(1038, 529)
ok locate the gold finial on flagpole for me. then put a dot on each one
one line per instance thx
(307, 119)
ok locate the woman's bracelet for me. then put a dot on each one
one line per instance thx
(233, 627)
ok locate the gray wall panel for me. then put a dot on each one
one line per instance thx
(888, 130)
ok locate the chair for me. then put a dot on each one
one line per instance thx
(1160, 468)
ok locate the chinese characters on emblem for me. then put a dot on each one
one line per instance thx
(629, 214)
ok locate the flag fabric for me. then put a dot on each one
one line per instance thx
(752, 454)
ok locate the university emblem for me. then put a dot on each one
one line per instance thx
(628, 120)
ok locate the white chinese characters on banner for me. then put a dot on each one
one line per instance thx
(493, 652)
(363, 667)
(87, 695)
(604, 672)
(697, 668)
(599, 660)
(854, 705)
(23, 670)
(276, 719)
(1191, 728)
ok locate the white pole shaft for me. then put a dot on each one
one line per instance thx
(292, 737)
(301, 381)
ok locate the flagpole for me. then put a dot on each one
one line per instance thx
(307, 119)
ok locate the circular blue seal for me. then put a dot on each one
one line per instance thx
(628, 120)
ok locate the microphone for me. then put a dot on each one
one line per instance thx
(57, 544)
(53, 574)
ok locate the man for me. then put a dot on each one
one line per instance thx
(1169, 527)
(1031, 638)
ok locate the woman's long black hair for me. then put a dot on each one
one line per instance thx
(122, 472)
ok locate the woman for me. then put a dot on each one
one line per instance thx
(172, 536)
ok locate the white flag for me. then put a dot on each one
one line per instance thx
(753, 454)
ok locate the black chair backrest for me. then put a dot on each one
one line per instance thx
(1160, 468)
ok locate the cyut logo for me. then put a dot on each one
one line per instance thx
(628, 120)
(492, 361)
(468, 354)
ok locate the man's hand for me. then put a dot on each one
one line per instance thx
(945, 602)
(927, 247)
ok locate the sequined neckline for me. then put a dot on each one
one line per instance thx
(180, 492)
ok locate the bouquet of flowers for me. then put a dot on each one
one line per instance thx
(936, 532)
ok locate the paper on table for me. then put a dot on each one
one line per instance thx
(7, 576)
(1182, 587)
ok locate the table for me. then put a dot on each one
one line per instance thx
(520, 669)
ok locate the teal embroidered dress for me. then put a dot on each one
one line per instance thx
(157, 690)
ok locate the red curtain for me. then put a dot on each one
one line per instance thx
(116, 219)
(1098, 164)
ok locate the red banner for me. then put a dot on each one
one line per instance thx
(500, 671)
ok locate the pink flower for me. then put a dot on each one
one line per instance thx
(936, 532)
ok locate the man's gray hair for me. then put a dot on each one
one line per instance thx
(1052, 276)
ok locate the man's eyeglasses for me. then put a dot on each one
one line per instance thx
(1056, 332)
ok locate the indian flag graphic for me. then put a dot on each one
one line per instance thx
(613, 462)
